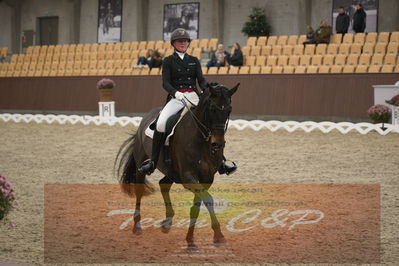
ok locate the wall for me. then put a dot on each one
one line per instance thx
(89, 21)
(5, 22)
(388, 18)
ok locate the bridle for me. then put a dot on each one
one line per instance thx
(206, 131)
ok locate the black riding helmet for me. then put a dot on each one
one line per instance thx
(179, 33)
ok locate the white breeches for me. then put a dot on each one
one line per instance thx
(174, 106)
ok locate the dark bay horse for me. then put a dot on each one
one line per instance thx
(196, 152)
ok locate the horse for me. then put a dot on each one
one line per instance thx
(195, 151)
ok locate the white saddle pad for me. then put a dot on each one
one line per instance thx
(150, 133)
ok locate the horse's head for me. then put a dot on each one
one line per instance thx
(216, 105)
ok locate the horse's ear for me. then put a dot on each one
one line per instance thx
(211, 87)
(234, 89)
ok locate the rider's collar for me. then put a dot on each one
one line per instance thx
(181, 55)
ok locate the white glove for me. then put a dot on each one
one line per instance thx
(179, 95)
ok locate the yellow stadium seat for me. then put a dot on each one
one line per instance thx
(377, 59)
(86, 48)
(356, 48)
(312, 69)
(203, 44)
(233, 70)
(374, 69)
(193, 44)
(276, 50)
(260, 60)
(266, 50)
(394, 37)
(223, 70)
(298, 49)
(387, 69)
(255, 51)
(93, 56)
(390, 59)
(254, 70)
(272, 40)
(371, 37)
(271, 60)
(380, 48)
(300, 70)
(340, 59)
(246, 50)
(336, 38)
(43, 49)
(324, 69)
(126, 46)
(277, 70)
(288, 69)
(212, 71)
(352, 59)
(368, 48)
(244, 70)
(262, 40)
(251, 41)
(154, 71)
(383, 37)
(317, 60)
(250, 60)
(287, 50)
(344, 48)
(134, 45)
(213, 43)
(159, 45)
(293, 60)
(142, 45)
(204, 70)
(309, 49)
(396, 70)
(29, 50)
(359, 38)
(282, 60)
(150, 45)
(332, 49)
(292, 40)
(393, 48)
(304, 60)
(348, 69)
(321, 49)
(361, 69)
(282, 40)
(364, 59)
(348, 38)
(301, 39)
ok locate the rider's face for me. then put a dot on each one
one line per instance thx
(181, 45)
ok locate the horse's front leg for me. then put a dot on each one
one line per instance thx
(165, 184)
(194, 212)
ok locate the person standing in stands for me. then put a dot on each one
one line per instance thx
(342, 22)
(237, 58)
(359, 19)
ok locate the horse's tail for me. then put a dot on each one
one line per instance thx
(127, 169)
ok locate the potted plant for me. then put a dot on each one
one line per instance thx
(379, 113)
(6, 197)
(105, 87)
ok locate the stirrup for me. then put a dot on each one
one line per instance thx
(226, 169)
(147, 167)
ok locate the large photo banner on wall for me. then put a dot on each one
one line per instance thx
(369, 6)
(109, 20)
(184, 15)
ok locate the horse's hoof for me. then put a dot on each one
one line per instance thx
(165, 230)
(137, 231)
(219, 241)
(166, 225)
(192, 247)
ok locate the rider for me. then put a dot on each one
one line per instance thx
(179, 74)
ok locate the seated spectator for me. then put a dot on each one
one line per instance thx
(155, 60)
(237, 58)
(218, 57)
(322, 34)
(143, 61)
(309, 33)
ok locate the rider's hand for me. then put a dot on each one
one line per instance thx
(179, 95)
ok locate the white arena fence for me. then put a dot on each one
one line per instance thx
(239, 124)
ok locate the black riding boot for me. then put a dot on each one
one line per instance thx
(149, 166)
(227, 169)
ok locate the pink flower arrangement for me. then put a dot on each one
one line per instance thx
(6, 196)
(379, 113)
(394, 100)
(105, 84)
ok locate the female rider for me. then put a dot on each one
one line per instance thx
(179, 74)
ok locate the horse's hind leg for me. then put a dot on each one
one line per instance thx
(139, 190)
(165, 184)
